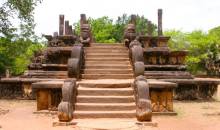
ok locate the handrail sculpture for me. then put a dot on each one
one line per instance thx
(76, 61)
(143, 102)
(66, 107)
(137, 58)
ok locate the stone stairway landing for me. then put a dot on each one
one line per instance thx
(107, 61)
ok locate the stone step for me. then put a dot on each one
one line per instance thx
(108, 84)
(104, 114)
(106, 51)
(107, 59)
(46, 73)
(105, 106)
(92, 49)
(108, 66)
(107, 76)
(50, 77)
(107, 62)
(107, 47)
(104, 55)
(107, 44)
(105, 91)
(105, 99)
(107, 71)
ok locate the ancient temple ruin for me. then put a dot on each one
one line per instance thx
(78, 78)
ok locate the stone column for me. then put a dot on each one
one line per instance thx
(83, 19)
(70, 30)
(133, 19)
(61, 24)
(160, 31)
(149, 28)
(66, 27)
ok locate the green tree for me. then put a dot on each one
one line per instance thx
(102, 29)
(17, 44)
(107, 31)
(177, 40)
(15, 54)
(21, 10)
(203, 48)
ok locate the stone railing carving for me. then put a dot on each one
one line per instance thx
(67, 105)
(137, 58)
(76, 61)
(143, 102)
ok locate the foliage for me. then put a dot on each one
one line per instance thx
(105, 30)
(15, 54)
(17, 45)
(203, 48)
(102, 29)
(21, 10)
(177, 40)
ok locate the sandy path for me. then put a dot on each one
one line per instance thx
(191, 116)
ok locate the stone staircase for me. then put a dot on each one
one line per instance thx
(105, 89)
(105, 99)
(107, 61)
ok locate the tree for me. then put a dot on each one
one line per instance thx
(23, 11)
(204, 51)
(102, 29)
(177, 40)
(105, 30)
(17, 48)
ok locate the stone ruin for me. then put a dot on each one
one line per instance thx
(63, 76)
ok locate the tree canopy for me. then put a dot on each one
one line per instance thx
(17, 43)
(105, 30)
(203, 47)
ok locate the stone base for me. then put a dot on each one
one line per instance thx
(150, 123)
(45, 112)
(64, 123)
(164, 113)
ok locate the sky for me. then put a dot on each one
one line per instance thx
(185, 15)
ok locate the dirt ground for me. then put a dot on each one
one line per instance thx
(192, 115)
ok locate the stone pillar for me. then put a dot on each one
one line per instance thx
(7, 73)
(55, 34)
(66, 27)
(83, 19)
(133, 19)
(160, 30)
(61, 24)
(149, 28)
(70, 30)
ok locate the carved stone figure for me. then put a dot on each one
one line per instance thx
(130, 34)
(85, 36)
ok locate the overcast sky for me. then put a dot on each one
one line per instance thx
(186, 15)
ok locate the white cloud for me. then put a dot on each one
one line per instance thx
(179, 14)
